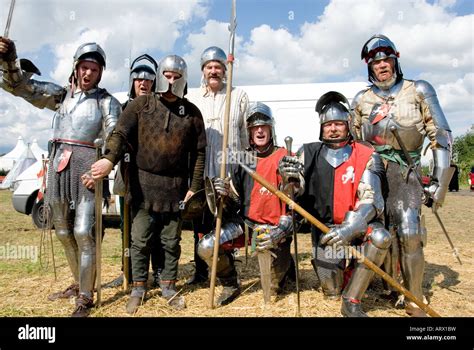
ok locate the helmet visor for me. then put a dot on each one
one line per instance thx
(380, 53)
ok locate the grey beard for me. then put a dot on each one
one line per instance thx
(387, 84)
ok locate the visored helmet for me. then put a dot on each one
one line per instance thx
(333, 106)
(379, 47)
(143, 67)
(260, 114)
(213, 53)
(88, 52)
(172, 63)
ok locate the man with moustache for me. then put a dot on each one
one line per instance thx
(210, 99)
(412, 108)
(83, 113)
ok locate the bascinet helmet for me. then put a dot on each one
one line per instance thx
(260, 114)
(172, 63)
(143, 67)
(88, 52)
(379, 47)
(333, 106)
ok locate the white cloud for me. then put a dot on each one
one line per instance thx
(458, 104)
(124, 29)
(19, 118)
(213, 33)
(434, 44)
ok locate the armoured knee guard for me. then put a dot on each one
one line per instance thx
(206, 248)
(391, 261)
(375, 249)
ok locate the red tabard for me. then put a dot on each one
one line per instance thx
(346, 181)
(265, 207)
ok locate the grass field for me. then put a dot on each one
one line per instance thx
(26, 281)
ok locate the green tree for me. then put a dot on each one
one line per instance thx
(463, 154)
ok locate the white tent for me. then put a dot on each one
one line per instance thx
(21, 164)
(8, 160)
(38, 151)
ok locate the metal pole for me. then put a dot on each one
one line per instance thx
(288, 143)
(98, 224)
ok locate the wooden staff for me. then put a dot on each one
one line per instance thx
(230, 64)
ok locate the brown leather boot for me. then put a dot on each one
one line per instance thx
(83, 306)
(69, 292)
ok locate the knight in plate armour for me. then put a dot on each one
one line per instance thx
(394, 105)
(343, 189)
(83, 113)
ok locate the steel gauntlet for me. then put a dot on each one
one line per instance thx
(291, 171)
(268, 237)
(353, 226)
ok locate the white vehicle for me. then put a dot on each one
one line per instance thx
(25, 196)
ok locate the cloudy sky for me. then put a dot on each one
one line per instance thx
(278, 41)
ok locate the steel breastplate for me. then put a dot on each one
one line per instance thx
(78, 118)
(379, 134)
(401, 111)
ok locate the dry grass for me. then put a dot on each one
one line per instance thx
(25, 284)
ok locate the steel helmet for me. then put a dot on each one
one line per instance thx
(379, 47)
(143, 67)
(213, 53)
(172, 63)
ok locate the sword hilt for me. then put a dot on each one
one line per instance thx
(98, 144)
(288, 143)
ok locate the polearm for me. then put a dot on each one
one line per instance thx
(126, 234)
(288, 143)
(411, 165)
(9, 19)
(257, 177)
(230, 64)
(98, 143)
